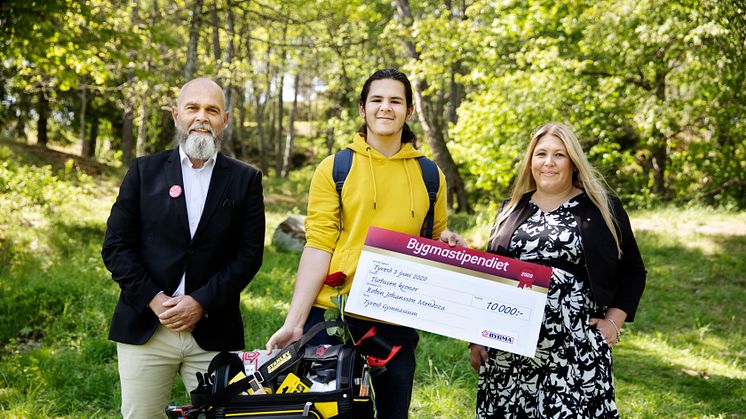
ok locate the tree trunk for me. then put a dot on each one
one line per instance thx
(456, 90)
(329, 141)
(167, 133)
(21, 125)
(229, 146)
(442, 156)
(84, 151)
(659, 157)
(455, 95)
(240, 118)
(259, 109)
(92, 139)
(216, 50)
(142, 127)
(660, 149)
(435, 137)
(291, 129)
(243, 91)
(261, 140)
(41, 126)
(23, 107)
(127, 134)
(194, 24)
(309, 110)
(128, 102)
(280, 143)
(268, 110)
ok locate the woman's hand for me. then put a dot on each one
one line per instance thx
(452, 238)
(477, 356)
(610, 326)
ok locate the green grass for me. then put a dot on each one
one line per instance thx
(684, 356)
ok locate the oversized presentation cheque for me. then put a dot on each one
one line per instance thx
(457, 292)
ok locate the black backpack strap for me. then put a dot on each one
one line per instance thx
(292, 353)
(432, 182)
(223, 367)
(430, 175)
(213, 388)
(340, 170)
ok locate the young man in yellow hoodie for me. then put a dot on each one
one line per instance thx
(385, 189)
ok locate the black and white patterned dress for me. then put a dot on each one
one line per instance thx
(570, 376)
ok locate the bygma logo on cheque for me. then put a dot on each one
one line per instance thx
(498, 337)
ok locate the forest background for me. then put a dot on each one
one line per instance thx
(656, 91)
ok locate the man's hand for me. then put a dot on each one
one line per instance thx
(181, 313)
(284, 336)
(156, 304)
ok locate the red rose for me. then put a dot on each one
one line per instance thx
(335, 279)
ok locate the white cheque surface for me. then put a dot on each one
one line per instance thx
(447, 300)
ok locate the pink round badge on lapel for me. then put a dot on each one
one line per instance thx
(175, 191)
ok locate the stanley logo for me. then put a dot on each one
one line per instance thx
(277, 363)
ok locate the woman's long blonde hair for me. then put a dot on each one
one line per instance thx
(585, 177)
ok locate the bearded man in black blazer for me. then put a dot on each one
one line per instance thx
(184, 238)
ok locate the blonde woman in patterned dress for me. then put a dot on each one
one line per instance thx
(561, 214)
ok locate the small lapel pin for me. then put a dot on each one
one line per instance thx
(175, 191)
(228, 203)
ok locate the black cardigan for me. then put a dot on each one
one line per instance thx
(615, 281)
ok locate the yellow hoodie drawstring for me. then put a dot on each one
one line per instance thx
(409, 183)
(372, 175)
(375, 188)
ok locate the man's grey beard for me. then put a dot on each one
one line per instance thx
(198, 145)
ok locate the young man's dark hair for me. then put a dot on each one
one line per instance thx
(393, 74)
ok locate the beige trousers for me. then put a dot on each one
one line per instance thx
(147, 372)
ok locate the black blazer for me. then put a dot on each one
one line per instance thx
(147, 247)
(615, 282)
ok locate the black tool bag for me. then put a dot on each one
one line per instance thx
(346, 395)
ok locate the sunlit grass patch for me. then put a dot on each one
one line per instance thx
(442, 392)
(694, 355)
(683, 356)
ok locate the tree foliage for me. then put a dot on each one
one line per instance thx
(655, 89)
(645, 83)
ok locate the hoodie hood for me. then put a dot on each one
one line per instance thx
(406, 152)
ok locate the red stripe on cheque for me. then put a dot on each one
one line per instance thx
(525, 273)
